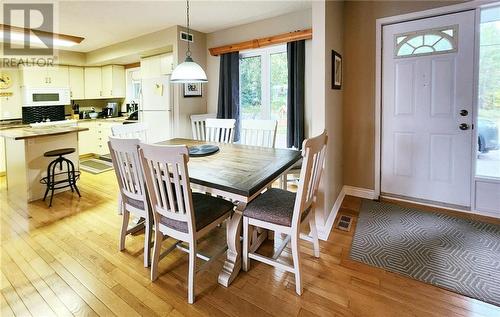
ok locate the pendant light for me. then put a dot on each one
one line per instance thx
(189, 71)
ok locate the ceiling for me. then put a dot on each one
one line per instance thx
(103, 23)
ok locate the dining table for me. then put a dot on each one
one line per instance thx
(240, 173)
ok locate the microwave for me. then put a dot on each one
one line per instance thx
(45, 96)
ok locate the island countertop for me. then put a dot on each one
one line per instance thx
(29, 133)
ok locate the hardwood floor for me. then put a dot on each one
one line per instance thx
(65, 261)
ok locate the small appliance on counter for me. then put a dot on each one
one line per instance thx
(132, 107)
(112, 109)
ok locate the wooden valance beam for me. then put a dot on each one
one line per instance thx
(265, 41)
(42, 34)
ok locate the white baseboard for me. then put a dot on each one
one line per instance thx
(324, 231)
(359, 192)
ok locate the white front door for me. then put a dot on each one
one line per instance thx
(427, 102)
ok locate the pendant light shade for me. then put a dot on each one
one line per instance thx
(189, 71)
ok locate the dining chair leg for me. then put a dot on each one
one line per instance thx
(314, 235)
(156, 254)
(123, 231)
(120, 204)
(246, 244)
(296, 263)
(192, 271)
(147, 242)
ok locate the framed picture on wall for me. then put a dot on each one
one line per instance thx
(193, 90)
(336, 70)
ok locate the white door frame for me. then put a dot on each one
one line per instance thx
(472, 5)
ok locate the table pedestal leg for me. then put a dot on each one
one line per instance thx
(232, 265)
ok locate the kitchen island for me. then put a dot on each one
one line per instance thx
(25, 163)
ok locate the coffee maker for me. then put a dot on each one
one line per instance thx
(111, 109)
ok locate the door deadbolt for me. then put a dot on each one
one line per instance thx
(464, 126)
(464, 112)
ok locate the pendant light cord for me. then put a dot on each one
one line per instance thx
(188, 53)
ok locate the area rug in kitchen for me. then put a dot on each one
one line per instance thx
(96, 166)
(457, 254)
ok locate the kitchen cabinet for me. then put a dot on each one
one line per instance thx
(167, 64)
(113, 81)
(87, 140)
(93, 82)
(56, 76)
(156, 66)
(103, 134)
(95, 140)
(76, 82)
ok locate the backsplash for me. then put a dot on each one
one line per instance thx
(42, 113)
(98, 104)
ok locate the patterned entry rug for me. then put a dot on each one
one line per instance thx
(458, 254)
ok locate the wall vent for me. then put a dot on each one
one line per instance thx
(187, 37)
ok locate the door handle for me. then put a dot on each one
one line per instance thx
(464, 126)
(464, 112)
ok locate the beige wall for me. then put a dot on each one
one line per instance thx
(188, 106)
(359, 82)
(334, 23)
(327, 103)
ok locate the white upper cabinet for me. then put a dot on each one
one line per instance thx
(166, 64)
(93, 83)
(56, 76)
(76, 82)
(113, 81)
(156, 66)
(84, 82)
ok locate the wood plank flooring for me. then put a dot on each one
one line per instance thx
(65, 261)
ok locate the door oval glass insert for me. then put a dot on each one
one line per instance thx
(426, 42)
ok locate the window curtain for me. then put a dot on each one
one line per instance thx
(295, 105)
(229, 89)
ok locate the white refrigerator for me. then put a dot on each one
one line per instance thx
(156, 108)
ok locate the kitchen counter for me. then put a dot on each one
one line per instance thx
(29, 133)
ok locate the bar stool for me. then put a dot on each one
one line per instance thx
(62, 182)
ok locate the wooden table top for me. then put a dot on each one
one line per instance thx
(238, 169)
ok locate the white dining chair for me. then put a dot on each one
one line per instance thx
(133, 200)
(130, 131)
(220, 130)
(178, 213)
(258, 132)
(283, 212)
(198, 125)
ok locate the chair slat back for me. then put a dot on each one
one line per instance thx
(198, 125)
(127, 166)
(220, 130)
(130, 131)
(167, 182)
(313, 156)
(258, 132)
